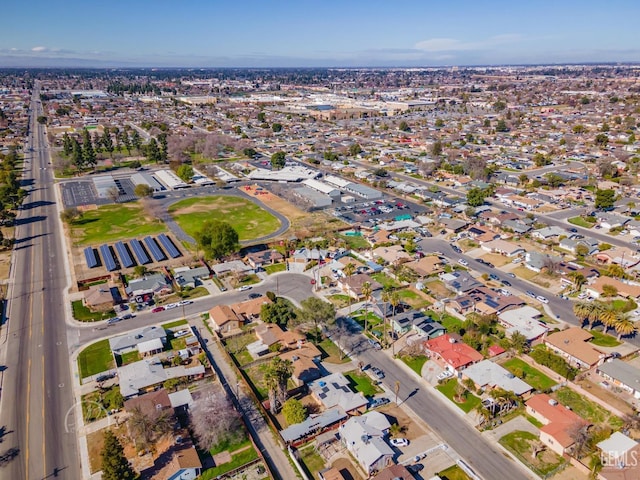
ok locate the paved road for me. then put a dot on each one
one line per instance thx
(480, 454)
(36, 385)
(294, 286)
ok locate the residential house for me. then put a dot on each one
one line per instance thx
(573, 344)
(142, 376)
(313, 425)
(619, 256)
(608, 220)
(187, 277)
(332, 473)
(596, 288)
(306, 363)
(352, 285)
(453, 225)
(426, 266)
(558, 422)
(404, 321)
(525, 321)
(154, 284)
(450, 352)
(224, 319)
(622, 375)
(516, 226)
(503, 248)
(571, 244)
(150, 403)
(537, 261)
(395, 472)
(129, 342)
(619, 455)
(459, 281)
(548, 233)
(305, 255)
(264, 257)
(101, 297)
(393, 254)
(334, 391)
(429, 328)
(179, 462)
(236, 266)
(487, 375)
(364, 437)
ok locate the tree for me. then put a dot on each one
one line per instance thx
(519, 342)
(394, 300)
(213, 419)
(475, 197)
(609, 291)
(581, 251)
(113, 194)
(152, 152)
(146, 428)
(278, 160)
(439, 123)
(67, 144)
(115, 465)
(107, 141)
(136, 141)
(348, 270)
(249, 152)
(276, 127)
(217, 239)
(501, 126)
(355, 149)
(602, 139)
(185, 172)
(279, 311)
(523, 178)
(70, 215)
(537, 447)
(42, 119)
(276, 375)
(316, 312)
(143, 190)
(88, 153)
(366, 291)
(605, 198)
(294, 411)
(404, 126)
(624, 326)
(436, 148)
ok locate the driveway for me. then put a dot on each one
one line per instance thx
(430, 372)
(518, 423)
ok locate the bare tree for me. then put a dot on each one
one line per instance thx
(113, 194)
(537, 447)
(213, 418)
(581, 436)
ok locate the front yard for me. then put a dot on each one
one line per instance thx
(332, 352)
(83, 314)
(415, 363)
(362, 383)
(520, 444)
(96, 358)
(449, 390)
(603, 340)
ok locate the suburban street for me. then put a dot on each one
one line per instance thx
(36, 384)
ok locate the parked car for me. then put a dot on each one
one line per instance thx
(506, 283)
(456, 249)
(378, 402)
(127, 316)
(255, 295)
(377, 372)
(104, 377)
(542, 299)
(113, 320)
(463, 262)
(444, 374)
(531, 294)
(495, 277)
(185, 302)
(170, 306)
(181, 333)
(512, 275)
(158, 309)
(375, 344)
(244, 288)
(399, 442)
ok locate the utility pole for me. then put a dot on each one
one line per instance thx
(396, 389)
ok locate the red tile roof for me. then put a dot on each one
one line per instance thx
(455, 353)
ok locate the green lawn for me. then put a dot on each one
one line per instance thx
(362, 383)
(276, 267)
(415, 363)
(413, 299)
(246, 217)
(232, 443)
(95, 405)
(453, 473)
(115, 222)
(332, 352)
(127, 358)
(96, 358)
(587, 409)
(237, 460)
(580, 222)
(83, 314)
(355, 242)
(311, 459)
(339, 300)
(385, 280)
(603, 340)
(177, 323)
(449, 322)
(519, 443)
(532, 376)
(449, 388)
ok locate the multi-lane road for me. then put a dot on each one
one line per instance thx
(36, 395)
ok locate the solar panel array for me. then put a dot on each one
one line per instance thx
(90, 257)
(139, 252)
(108, 259)
(125, 259)
(153, 247)
(168, 245)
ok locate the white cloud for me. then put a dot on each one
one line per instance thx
(39, 49)
(454, 45)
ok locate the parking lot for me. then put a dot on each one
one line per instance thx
(376, 211)
(78, 193)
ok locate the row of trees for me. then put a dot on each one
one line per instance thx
(592, 313)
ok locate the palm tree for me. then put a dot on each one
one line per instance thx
(624, 326)
(582, 310)
(482, 413)
(366, 293)
(349, 269)
(385, 297)
(394, 300)
(608, 316)
(578, 280)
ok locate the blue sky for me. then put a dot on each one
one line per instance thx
(266, 33)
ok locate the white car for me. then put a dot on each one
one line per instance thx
(542, 299)
(185, 302)
(444, 374)
(399, 442)
(169, 306)
(463, 262)
(244, 288)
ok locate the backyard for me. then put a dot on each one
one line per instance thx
(109, 223)
(519, 443)
(96, 358)
(529, 374)
(246, 217)
(587, 409)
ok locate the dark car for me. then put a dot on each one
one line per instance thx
(573, 230)
(456, 249)
(104, 377)
(255, 295)
(506, 283)
(489, 264)
(127, 316)
(493, 276)
(377, 372)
